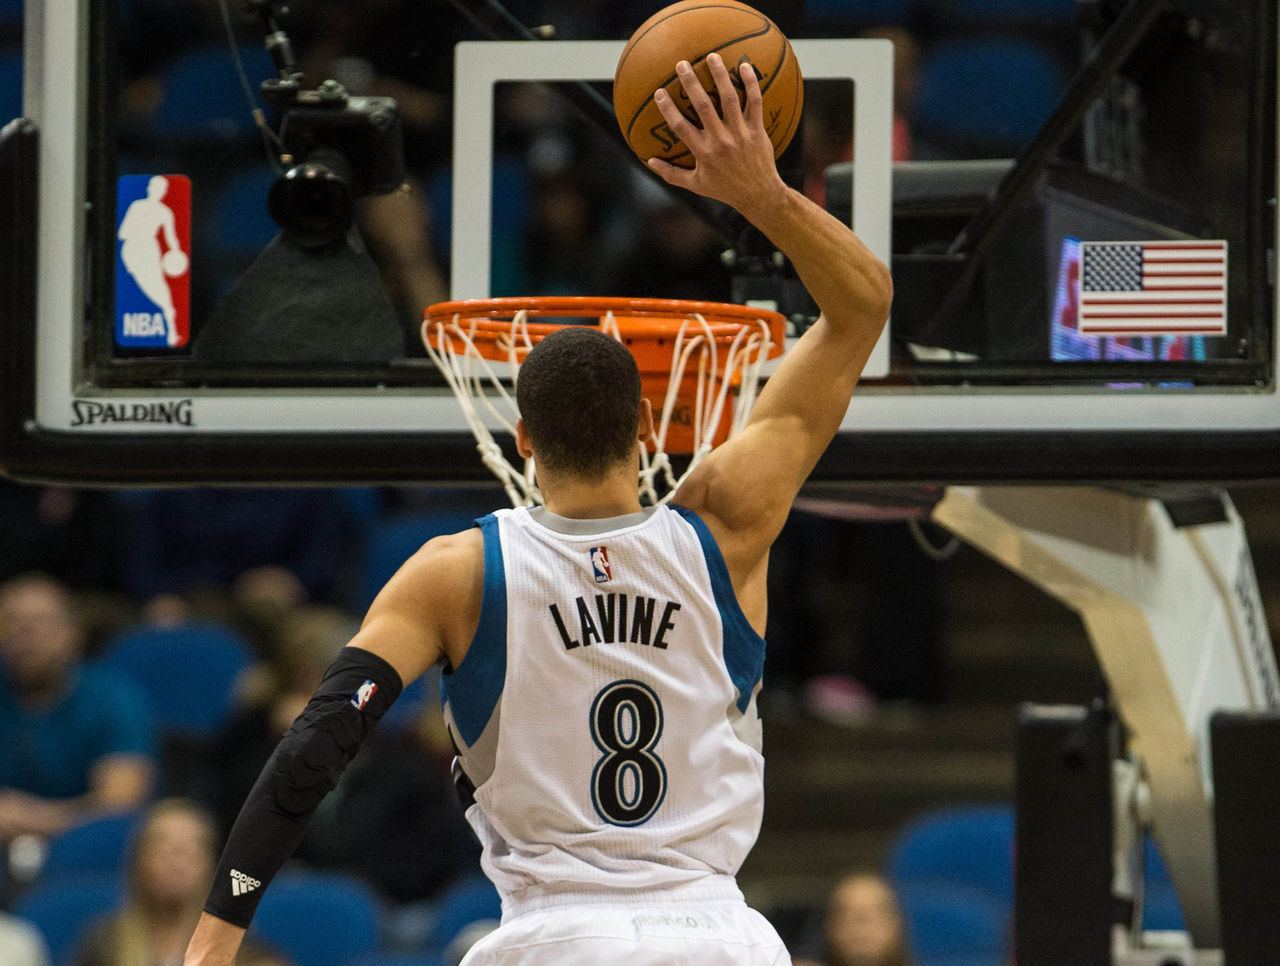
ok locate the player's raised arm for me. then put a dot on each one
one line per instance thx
(746, 486)
(420, 616)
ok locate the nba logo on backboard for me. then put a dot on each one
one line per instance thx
(600, 564)
(153, 261)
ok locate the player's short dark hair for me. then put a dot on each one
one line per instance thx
(579, 394)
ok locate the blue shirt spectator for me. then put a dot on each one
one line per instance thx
(74, 738)
(51, 749)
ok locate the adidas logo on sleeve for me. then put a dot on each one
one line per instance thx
(242, 884)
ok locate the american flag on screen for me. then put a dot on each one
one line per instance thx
(1153, 288)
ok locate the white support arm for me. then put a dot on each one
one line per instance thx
(1175, 618)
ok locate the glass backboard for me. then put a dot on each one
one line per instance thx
(1077, 201)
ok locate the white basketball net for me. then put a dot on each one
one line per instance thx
(478, 384)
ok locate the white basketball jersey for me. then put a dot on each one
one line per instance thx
(605, 712)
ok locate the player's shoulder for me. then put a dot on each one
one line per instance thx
(441, 569)
(449, 551)
(435, 592)
(735, 490)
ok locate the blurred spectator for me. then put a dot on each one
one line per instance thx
(74, 535)
(906, 79)
(398, 229)
(857, 615)
(399, 821)
(188, 541)
(827, 125)
(20, 943)
(675, 253)
(827, 133)
(564, 238)
(74, 738)
(170, 866)
(862, 925)
(390, 48)
(157, 30)
(260, 601)
(350, 45)
(579, 220)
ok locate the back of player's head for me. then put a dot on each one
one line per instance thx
(579, 394)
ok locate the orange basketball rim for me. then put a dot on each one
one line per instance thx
(700, 365)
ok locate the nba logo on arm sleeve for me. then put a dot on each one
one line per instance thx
(153, 261)
(600, 565)
(363, 694)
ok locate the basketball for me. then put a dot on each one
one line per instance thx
(689, 30)
(174, 262)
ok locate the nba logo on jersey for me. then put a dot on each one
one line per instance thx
(153, 261)
(362, 696)
(600, 564)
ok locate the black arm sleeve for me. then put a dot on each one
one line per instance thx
(356, 691)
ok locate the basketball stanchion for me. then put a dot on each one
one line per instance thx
(701, 365)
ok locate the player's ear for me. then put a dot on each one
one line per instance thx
(645, 428)
(522, 439)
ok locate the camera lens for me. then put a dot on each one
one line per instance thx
(312, 201)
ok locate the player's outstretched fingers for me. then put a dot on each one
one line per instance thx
(680, 126)
(728, 94)
(699, 99)
(753, 110)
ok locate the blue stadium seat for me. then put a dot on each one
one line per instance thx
(319, 918)
(1047, 13)
(98, 845)
(396, 959)
(1161, 908)
(394, 540)
(439, 192)
(864, 11)
(10, 85)
(204, 99)
(985, 97)
(947, 921)
(965, 959)
(511, 208)
(187, 673)
(469, 900)
(61, 907)
(967, 845)
(361, 503)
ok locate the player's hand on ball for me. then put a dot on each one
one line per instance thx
(733, 155)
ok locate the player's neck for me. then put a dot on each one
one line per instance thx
(614, 495)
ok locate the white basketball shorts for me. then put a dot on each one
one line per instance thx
(715, 933)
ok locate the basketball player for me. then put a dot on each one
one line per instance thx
(602, 660)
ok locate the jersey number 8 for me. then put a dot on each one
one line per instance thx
(630, 781)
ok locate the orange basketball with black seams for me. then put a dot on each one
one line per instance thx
(690, 30)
